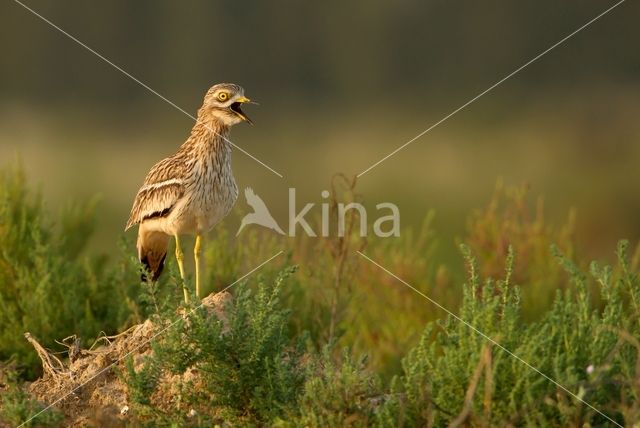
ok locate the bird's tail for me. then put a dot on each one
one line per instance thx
(152, 250)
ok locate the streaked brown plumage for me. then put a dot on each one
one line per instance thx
(191, 191)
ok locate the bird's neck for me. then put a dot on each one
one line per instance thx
(209, 138)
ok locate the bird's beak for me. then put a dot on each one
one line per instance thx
(236, 108)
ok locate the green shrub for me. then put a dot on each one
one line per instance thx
(514, 219)
(250, 370)
(47, 287)
(16, 406)
(341, 392)
(593, 353)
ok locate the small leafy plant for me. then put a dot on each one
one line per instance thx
(47, 286)
(247, 368)
(17, 407)
(538, 374)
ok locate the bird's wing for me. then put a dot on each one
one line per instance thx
(162, 189)
(254, 200)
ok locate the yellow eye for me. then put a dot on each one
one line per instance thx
(223, 96)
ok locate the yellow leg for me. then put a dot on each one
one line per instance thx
(180, 259)
(197, 252)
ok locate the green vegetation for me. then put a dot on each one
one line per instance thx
(249, 371)
(321, 337)
(47, 286)
(589, 351)
(16, 406)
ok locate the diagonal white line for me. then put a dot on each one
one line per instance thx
(146, 342)
(144, 85)
(499, 82)
(475, 330)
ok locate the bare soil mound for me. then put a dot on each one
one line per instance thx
(88, 388)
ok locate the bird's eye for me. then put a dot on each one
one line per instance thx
(223, 96)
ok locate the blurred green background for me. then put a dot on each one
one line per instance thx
(341, 84)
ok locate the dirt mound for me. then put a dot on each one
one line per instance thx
(87, 387)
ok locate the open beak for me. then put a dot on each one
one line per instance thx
(235, 107)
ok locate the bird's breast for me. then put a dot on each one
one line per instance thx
(213, 193)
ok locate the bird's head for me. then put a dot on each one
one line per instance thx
(223, 102)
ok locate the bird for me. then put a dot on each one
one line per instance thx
(260, 214)
(193, 190)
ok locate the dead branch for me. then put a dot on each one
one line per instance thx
(483, 365)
